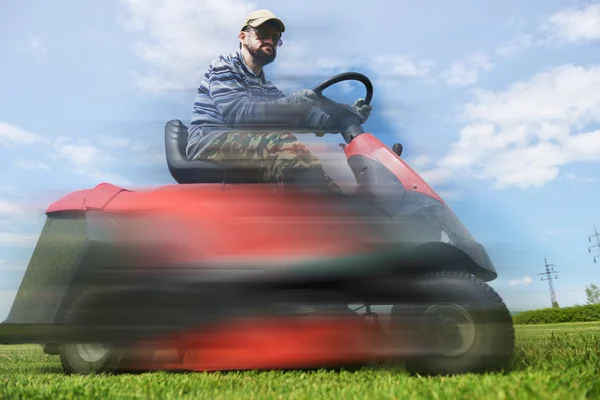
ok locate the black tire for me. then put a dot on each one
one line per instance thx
(488, 337)
(74, 360)
(97, 358)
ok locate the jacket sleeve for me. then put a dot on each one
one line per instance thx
(316, 118)
(229, 94)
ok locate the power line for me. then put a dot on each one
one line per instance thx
(550, 270)
(597, 235)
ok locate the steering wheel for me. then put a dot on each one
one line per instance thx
(350, 125)
(345, 76)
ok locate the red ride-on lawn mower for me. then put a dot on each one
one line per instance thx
(233, 275)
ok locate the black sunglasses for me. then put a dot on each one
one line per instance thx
(263, 35)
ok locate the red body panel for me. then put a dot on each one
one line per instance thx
(87, 199)
(272, 343)
(245, 223)
(220, 224)
(369, 146)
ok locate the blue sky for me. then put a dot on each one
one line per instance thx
(497, 106)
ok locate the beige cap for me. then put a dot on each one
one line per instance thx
(259, 17)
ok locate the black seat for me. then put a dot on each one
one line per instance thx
(186, 171)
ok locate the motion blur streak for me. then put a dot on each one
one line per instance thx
(234, 274)
(234, 227)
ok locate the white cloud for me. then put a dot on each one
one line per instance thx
(177, 48)
(11, 136)
(300, 63)
(526, 280)
(179, 38)
(563, 95)
(420, 161)
(395, 65)
(524, 167)
(87, 160)
(436, 176)
(81, 154)
(520, 137)
(580, 23)
(466, 72)
(37, 47)
(573, 177)
(81, 158)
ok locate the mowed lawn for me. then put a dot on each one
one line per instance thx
(559, 361)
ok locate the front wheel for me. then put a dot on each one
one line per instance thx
(457, 323)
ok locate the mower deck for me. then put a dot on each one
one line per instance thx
(270, 343)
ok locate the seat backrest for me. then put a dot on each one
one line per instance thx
(176, 137)
(186, 171)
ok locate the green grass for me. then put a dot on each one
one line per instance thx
(560, 361)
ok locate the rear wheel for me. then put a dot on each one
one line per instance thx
(97, 358)
(88, 358)
(458, 324)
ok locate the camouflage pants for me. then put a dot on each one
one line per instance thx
(277, 155)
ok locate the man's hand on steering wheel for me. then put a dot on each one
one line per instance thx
(358, 108)
(361, 110)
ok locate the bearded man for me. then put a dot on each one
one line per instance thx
(237, 111)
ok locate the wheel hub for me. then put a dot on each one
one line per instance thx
(92, 352)
(451, 328)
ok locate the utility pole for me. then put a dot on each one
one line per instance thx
(550, 270)
(597, 235)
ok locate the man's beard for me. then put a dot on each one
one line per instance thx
(261, 57)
